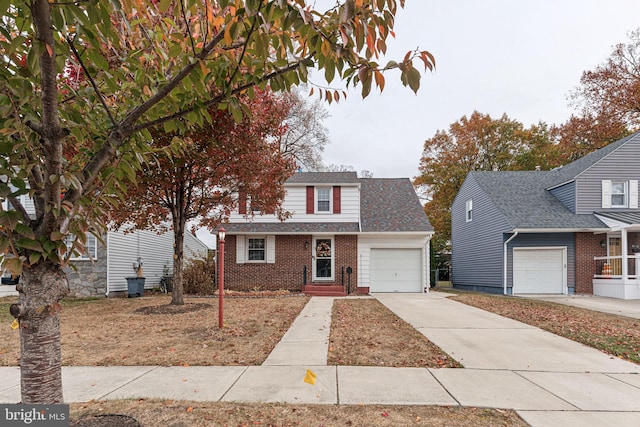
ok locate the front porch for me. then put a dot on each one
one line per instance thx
(618, 273)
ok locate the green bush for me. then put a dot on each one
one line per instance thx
(198, 276)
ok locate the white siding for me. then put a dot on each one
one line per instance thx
(398, 241)
(295, 201)
(156, 251)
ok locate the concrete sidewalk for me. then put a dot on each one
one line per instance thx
(549, 380)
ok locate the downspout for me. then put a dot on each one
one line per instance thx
(108, 248)
(504, 269)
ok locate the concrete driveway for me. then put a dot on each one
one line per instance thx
(621, 307)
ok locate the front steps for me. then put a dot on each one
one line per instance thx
(324, 290)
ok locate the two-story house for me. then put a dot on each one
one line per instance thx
(344, 235)
(574, 229)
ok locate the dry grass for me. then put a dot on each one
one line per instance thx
(615, 335)
(148, 331)
(173, 413)
(366, 333)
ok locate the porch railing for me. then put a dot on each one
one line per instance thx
(610, 267)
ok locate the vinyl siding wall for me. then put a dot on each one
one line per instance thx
(156, 251)
(567, 195)
(544, 240)
(368, 242)
(476, 256)
(295, 201)
(620, 165)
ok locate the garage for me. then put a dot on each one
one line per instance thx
(539, 270)
(396, 270)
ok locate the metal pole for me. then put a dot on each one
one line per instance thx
(221, 285)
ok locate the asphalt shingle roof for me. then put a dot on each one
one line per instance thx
(526, 204)
(324, 178)
(626, 217)
(292, 227)
(391, 205)
(386, 205)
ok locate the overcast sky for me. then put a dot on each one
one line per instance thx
(516, 57)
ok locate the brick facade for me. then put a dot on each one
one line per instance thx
(588, 246)
(293, 254)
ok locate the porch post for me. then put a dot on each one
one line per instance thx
(625, 265)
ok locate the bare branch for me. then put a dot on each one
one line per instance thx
(90, 78)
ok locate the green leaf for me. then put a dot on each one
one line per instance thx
(34, 257)
(30, 244)
(56, 236)
(9, 219)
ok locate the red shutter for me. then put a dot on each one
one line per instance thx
(310, 202)
(336, 200)
(242, 202)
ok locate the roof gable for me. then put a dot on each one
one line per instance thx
(524, 201)
(571, 171)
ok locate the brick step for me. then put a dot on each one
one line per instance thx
(325, 290)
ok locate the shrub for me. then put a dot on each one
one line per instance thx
(198, 276)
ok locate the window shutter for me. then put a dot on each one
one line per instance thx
(242, 202)
(633, 194)
(240, 250)
(336, 200)
(271, 249)
(606, 194)
(310, 202)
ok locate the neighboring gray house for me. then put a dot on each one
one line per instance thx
(103, 269)
(574, 229)
(374, 228)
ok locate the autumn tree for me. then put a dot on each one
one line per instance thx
(212, 166)
(607, 102)
(74, 146)
(475, 143)
(305, 135)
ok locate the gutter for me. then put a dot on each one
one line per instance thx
(505, 253)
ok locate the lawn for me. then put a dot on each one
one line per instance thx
(147, 331)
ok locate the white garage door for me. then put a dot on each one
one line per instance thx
(539, 271)
(396, 270)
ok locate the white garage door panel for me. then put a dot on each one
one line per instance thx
(396, 270)
(539, 271)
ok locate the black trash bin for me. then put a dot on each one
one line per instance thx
(135, 286)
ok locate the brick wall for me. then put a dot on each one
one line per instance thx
(293, 253)
(588, 245)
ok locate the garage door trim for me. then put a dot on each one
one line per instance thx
(563, 249)
(415, 275)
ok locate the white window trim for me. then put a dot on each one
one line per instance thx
(317, 200)
(630, 194)
(315, 278)
(264, 250)
(88, 255)
(469, 210)
(242, 249)
(625, 193)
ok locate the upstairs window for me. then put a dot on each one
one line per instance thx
(469, 210)
(323, 199)
(620, 194)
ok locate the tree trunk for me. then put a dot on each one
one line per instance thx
(38, 310)
(177, 296)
